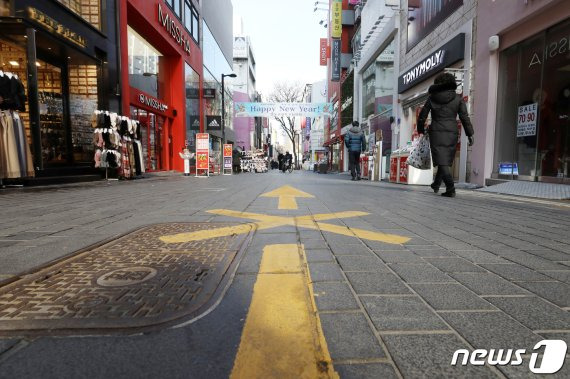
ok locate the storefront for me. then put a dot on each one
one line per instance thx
(61, 53)
(413, 84)
(532, 135)
(162, 77)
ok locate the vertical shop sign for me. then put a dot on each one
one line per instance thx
(228, 158)
(323, 52)
(526, 122)
(336, 18)
(202, 152)
(335, 58)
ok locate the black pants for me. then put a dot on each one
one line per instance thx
(354, 163)
(444, 174)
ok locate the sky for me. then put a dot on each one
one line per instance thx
(285, 39)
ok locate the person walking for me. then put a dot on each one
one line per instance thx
(355, 143)
(445, 105)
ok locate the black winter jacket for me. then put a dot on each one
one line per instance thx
(444, 105)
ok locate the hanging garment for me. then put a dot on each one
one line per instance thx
(137, 156)
(9, 162)
(24, 152)
(131, 149)
(141, 157)
(125, 165)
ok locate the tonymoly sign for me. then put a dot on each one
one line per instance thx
(453, 51)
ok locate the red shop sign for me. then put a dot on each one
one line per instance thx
(143, 100)
(202, 152)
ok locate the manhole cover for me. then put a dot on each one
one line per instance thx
(136, 281)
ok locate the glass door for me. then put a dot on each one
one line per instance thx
(52, 115)
(151, 130)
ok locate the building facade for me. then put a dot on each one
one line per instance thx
(66, 55)
(433, 39)
(247, 129)
(522, 108)
(339, 57)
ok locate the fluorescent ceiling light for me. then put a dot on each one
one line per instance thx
(14, 63)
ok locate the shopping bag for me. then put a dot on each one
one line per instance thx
(420, 156)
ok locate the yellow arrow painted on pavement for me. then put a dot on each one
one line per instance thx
(262, 222)
(287, 195)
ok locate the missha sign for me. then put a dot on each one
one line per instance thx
(142, 100)
(174, 28)
(453, 51)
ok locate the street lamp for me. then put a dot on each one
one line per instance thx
(232, 75)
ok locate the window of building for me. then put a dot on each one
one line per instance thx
(144, 65)
(191, 20)
(533, 106)
(192, 80)
(90, 10)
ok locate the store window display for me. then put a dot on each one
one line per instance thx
(89, 10)
(144, 65)
(533, 109)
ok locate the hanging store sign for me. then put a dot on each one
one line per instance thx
(174, 28)
(228, 156)
(209, 93)
(335, 61)
(55, 27)
(202, 151)
(323, 52)
(214, 122)
(450, 53)
(282, 109)
(336, 19)
(526, 124)
(145, 101)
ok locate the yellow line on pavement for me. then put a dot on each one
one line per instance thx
(200, 235)
(282, 337)
(364, 234)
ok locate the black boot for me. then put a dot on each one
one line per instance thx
(434, 187)
(449, 193)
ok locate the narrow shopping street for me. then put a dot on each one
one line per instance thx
(275, 275)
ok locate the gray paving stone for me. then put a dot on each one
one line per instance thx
(534, 262)
(491, 330)
(348, 336)
(515, 272)
(325, 272)
(353, 249)
(383, 246)
(563, 276)
(366, 371)
(314, 244)
(361, 263)
(433, 253)
(420, 273)
(484, 283)
(377, 283)
(319, 255)
(556, 292)
(449, 296)
(309, 234)
(429, 356)
(402, 256)
(6, 344)
(533, 312)
(454, 265)
(557, 336)
(480, 256)
(407, 313)
(334, 296)
(550, 254)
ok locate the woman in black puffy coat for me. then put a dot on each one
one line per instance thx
(444, 104)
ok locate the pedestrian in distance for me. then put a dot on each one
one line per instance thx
(355, 143)
(445, 105)
(280, 159)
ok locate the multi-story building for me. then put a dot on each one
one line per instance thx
(315, 126)
(65, 53)
(340, 33)
(522, 108)
(248, 130)
(174, 53)
(433, 37)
